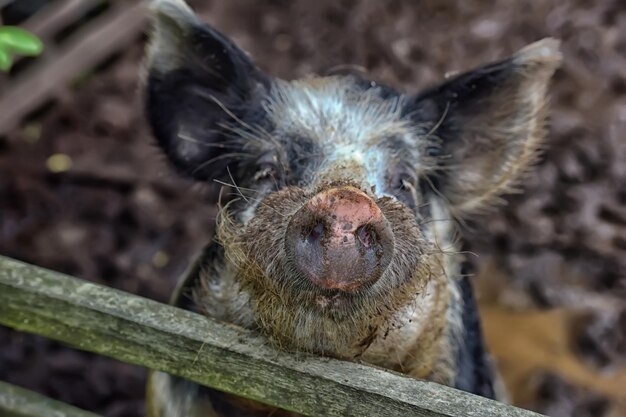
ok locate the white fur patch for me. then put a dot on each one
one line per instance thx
(348, 123)
(408, 325)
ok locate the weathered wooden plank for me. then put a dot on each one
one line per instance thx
(57, 15)
(20, 402)
(231, 359)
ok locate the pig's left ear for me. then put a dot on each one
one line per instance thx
(198, 86)
(489, 123)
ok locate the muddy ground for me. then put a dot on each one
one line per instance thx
(551, 265)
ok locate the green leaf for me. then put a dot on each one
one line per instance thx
(19, 41)
(5, 60)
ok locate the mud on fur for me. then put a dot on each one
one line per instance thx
(342, 239)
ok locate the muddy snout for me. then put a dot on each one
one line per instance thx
(340, 240)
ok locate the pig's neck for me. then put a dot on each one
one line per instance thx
(421, 339)
(418, 340)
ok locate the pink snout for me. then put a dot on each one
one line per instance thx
(340, 240)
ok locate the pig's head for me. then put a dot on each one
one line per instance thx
(345, 187)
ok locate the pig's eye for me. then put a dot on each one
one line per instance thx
(403, 181)
(404, 186)
(266, 172)
(267, 168)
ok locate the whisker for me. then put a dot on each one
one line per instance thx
(426, 204)
(230, 175)
(263, 133)
(435, 220)
(248, 199)
(221, 145)
(236, 186)
(219, 157)
(439, 122)
(451, 252)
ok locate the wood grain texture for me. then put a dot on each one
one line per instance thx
(147, 333)
(20, 402)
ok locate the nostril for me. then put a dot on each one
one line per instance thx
(366, 235)
(340, 240)
(316, 233)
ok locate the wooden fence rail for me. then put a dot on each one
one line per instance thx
(147, 333)
(20, 402)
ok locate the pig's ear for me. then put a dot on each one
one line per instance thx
(489, 124)
(198, 86)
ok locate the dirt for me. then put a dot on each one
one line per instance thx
(551, 265)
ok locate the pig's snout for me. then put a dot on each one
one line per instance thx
(340, 240)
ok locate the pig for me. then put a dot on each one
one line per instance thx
(342, 239)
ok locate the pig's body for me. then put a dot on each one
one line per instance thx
(342, 241)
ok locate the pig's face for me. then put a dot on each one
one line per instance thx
(330, 238)
(345, 189)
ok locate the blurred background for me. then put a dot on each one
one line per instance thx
(84, 191)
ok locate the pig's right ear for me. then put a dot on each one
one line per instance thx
(489, 125)
(198, 86)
